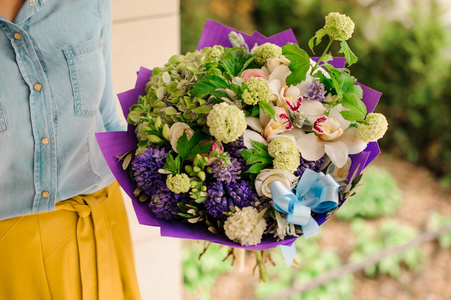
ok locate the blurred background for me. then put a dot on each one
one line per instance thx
(404, 51)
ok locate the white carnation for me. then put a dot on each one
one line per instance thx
(246, 226)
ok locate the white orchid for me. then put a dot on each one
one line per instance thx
(290, 97)
(332, 136)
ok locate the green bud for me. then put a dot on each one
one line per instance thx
(166, 131)
(209, 170)
(201, 175)
(188, 169)
(196, 169)
(157, 123)
(154, 139)
(204, 188)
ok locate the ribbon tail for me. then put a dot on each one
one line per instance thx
(311, 228)
(288, 253)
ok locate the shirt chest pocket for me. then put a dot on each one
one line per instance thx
(87, 76)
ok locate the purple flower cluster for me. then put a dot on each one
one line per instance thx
(233, 149)
(222, 172)
(224, 195)
(315, 91)
(164, 203)
(307, 164)
(145, 170)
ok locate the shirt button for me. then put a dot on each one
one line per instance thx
(17, 36)
(37, 87)
(45, 194)
(45, 141)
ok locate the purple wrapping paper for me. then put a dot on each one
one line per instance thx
(115, 144)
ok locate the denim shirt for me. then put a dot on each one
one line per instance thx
(55, 93)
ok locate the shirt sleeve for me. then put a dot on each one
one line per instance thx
(109, 105)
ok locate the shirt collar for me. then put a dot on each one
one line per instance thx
(28, 9)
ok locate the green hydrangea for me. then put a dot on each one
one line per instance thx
(212, 53)
(285, 153)
(179, 183)
(266, 51)
(338, 26)
(226, 122)
(257, 90)
(375, 127)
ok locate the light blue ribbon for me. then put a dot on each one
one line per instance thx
(315, 192)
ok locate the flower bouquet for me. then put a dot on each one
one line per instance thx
(247, 141)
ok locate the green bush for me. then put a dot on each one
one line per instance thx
(313, 262)
(199, 275)
(379, 195)
(391, 233)
(437, 221)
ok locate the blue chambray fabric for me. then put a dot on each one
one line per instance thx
(48, 150)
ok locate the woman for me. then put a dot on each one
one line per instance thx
(63, 229)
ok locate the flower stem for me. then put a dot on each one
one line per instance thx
(261, 267)
(240, 256)
(322, 56)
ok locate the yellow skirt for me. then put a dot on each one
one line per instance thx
(82, 250)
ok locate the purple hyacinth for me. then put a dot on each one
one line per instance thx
(233, 150)
(223, 195)
(145, 170)
(307, 164)
(164, 203)
(315, 91)
(222, 172)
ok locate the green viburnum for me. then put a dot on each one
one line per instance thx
(339, 26)
(265, 52)
(257, 90)
(285, 153)
(226, 122)
(282, 146)
(374, 127)
(179, 183)
(286, 162)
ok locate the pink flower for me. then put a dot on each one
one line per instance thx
(214, 145)
(246, 74)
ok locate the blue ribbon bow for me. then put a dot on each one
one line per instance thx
(315, 192)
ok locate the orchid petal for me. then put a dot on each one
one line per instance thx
(297, 133)
(354, 144)
(311, 147)
(249, 136)
(281, 73)
(336, 114)
(312, 109)
(254, 123)
(293, 92)
(338, 153)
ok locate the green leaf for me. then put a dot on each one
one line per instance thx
(351, 58)
(318, 36)
(235, 61)
(202, 109)
(268, 109)
(207, 85)
(357, 109)
(189, 148)
(299, 63)
(172, 165)
(255, 111)
(258, 158)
